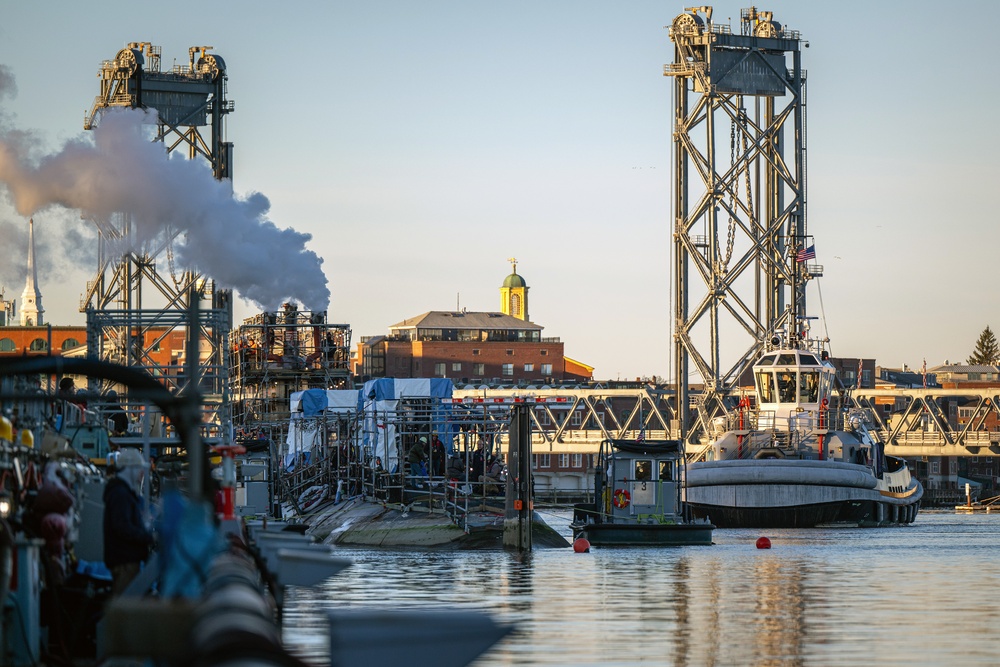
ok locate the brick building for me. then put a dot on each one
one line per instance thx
(472, 347)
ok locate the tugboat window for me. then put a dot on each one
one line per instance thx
(809, 387)
(786, 386)
(666, 471)
(765, 387)
(787, 359)
(643, 471)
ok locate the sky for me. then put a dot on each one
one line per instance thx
(403, 151)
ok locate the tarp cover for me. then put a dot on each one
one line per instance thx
(382, 396)
(304, 429)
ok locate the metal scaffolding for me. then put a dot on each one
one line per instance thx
(136, 298)
(739, 214)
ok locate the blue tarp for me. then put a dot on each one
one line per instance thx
(314, 401)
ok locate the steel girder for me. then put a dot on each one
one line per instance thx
(739, 216)
(121, 310)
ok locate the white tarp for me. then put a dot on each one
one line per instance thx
(381, 397)
(309, 408)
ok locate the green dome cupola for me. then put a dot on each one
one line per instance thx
(514, 294)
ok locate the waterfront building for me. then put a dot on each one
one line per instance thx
(472, 347)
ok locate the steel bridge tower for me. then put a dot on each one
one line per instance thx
(739, 203)
(136, 300)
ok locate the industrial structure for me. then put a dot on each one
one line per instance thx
(275, 354)
(136, 289)
(738, 214)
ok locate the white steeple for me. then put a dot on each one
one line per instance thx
(31, 298)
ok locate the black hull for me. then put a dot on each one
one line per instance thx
(851, 513)
(610, 534)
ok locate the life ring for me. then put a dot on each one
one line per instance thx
(621, 498)
(312, 496)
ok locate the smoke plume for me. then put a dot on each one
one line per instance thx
(119, 170)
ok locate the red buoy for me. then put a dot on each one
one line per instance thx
(763, 543)
(581, 545)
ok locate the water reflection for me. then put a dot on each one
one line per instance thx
(917, 595)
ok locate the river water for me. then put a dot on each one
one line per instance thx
(924, 594)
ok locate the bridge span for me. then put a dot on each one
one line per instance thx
(912, 422)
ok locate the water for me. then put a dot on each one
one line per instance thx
(924, 594)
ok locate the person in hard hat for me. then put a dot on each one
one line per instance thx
(128, 539)
(416, 457)
(6, 430)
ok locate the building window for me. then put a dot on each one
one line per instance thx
(515, 305)
(70, 343)
(7, 345)
(39, 345)
(510, 353)
(576, 419)
(578, 460)
(479, 369)
(543, 418)
(529, 368)
(534, 461)
(546, 369)
(507, 369)
(456, 366)
(975, 459)
(544, 353)
(563, 461)
(544, 460)
(935, 468)
(439, 369)
(475, 353)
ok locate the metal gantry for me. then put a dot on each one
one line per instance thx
(136, 297)
(739, 202)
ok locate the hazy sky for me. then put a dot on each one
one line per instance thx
(421, 144)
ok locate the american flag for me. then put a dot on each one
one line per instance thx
(806, 253)
(861, 367)
(642, 435)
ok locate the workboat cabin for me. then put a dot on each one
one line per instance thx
(638, 497)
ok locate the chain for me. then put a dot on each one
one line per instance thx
(731, 237)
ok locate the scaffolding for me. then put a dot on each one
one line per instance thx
(275, 354)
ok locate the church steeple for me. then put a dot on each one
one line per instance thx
(514, 294)
(31, 299)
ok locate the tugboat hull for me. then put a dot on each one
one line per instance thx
(767, 493)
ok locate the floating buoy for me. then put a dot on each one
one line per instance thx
(763, 543)
(581, 545)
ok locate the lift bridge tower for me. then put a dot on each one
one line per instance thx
(137, 305)
(739, 203)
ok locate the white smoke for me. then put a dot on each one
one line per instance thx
(117, 169)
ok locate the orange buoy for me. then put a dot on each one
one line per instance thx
(581, 545)
(763, 543)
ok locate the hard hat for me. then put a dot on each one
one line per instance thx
(27, 438)
(423, 440)
(6, 429)
(130, 457)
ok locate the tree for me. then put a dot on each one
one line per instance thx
(987, 352)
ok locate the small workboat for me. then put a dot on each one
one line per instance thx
(637, 498)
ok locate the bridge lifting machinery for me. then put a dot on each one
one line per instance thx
(739, 215)
(126, 320)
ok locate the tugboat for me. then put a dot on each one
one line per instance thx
(793, 461)
(637, 498)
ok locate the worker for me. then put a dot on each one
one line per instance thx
(128, 537)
